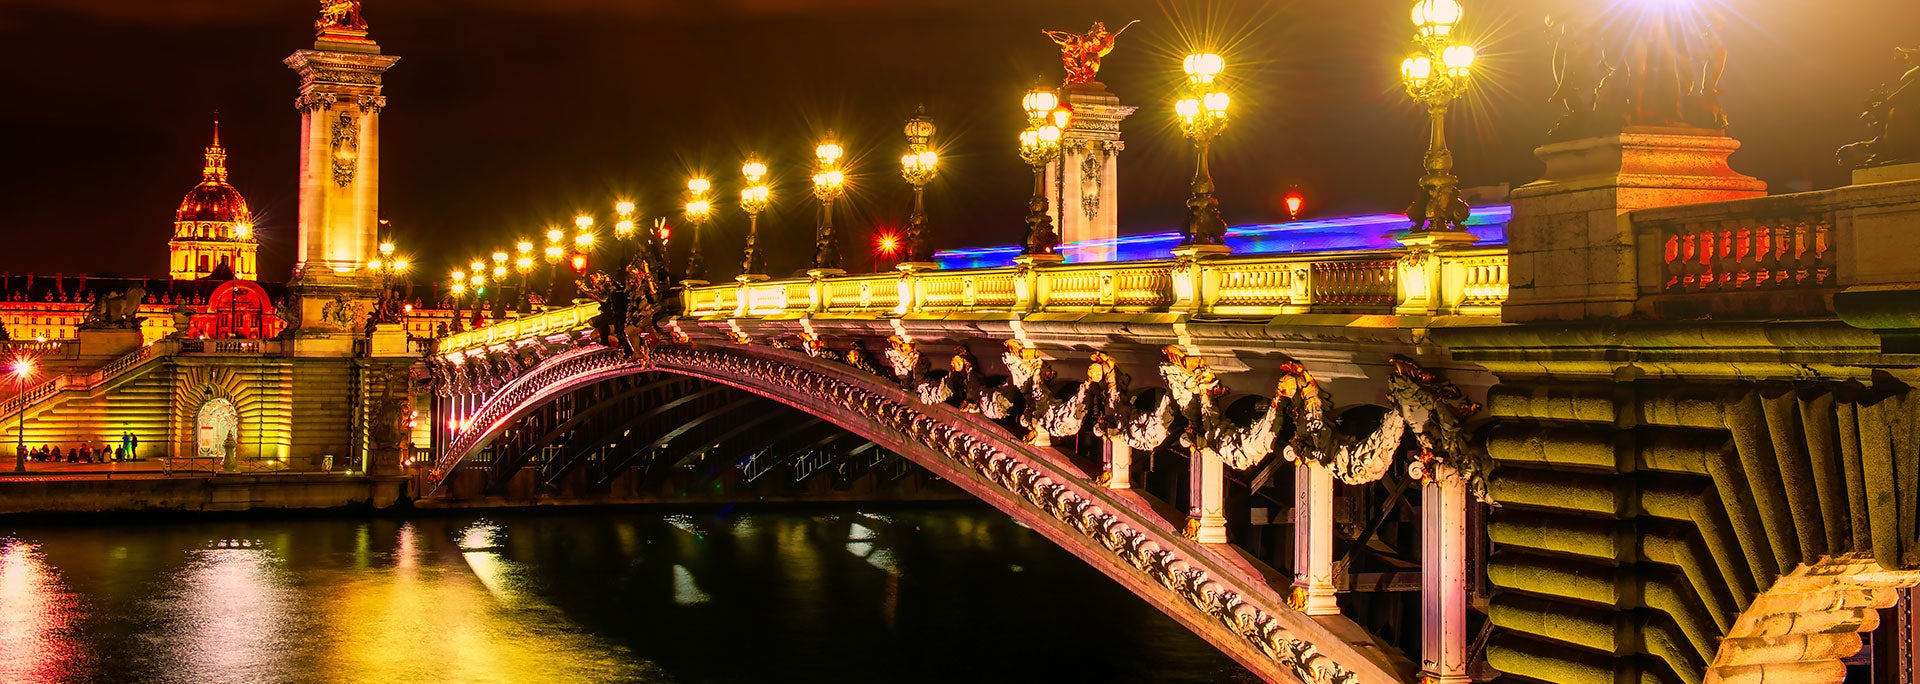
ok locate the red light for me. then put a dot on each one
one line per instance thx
(666, 233)
(1294, 202)
(579, 263)
(886, 243)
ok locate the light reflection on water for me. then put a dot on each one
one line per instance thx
(36, 612)
(579, 597)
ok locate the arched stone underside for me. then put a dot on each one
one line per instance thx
(1689, 532)
(1208, 588)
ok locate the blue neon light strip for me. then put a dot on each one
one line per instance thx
(1370, 231)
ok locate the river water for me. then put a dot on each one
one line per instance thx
(880, 595)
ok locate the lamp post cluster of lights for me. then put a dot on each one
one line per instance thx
(698, 210)
(1202, 109)
(754, 199)
(829, 184)
(1047, 121)
(1435, 76)
(918, 167)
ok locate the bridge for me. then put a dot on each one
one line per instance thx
(1662, 431)
(1677, 444)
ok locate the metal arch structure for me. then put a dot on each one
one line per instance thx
(1206, 587)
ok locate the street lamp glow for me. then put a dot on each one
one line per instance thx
(583, 222)
(1039, 102)
(386, 249)
(243, 231)
(400, 265)
(556, 235)
(699, 208)
(698, 186)
(459, 276)
(623, 207)
(459, 287)
(1417, 70)
(554, 253)
(499, 272)
(754, 170)
(523, 264)
(623, 228)
(22, 368)
(1459, 60)
(1204, 67)
(523, 246)
(828, 152)
(583, 240)
(499, 257)
(1436, 18)
(477, 266)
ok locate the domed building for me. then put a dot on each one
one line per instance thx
(213, 229)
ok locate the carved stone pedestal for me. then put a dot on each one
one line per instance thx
(1573, 251)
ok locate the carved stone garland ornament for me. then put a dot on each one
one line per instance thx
(1423, 403)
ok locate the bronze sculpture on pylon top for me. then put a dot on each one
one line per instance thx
(1080, 53)
(340, 14)
(1893, 112)
(1660, 67)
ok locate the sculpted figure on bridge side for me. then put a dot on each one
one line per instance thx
(1081, 53)
(1893, 112)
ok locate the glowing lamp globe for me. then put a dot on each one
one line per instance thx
(1217, 102)
(583, 240)
(458, 288)
(1039, 102)
(1203, 67)
(623, 207)
(523, 246)
(1062, 115)
(583, 221)
(1049, 134)
(579, 263)
(459, 276)
(477, 265)
(698, 186)
(1294, 203)
(1459, 59)
(523, 264)
(1416, 70)
(1436, 18)
(499, 273)
(623, 228)
(22, 368)
(919, 128)
(386, 249)
(499, 257)
(1187, 108)
(400, 265)
(828, 152)
(556, 235)
(754, 171)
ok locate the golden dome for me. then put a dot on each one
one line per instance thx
(214, 200)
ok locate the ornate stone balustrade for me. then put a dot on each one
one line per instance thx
(1783, 255)
(556, 320)
(1467, 282)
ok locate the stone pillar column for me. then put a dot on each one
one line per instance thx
(340, 104)
(1119, 459)
(1213, 498)
(1313, 580)
(1443, 579)
(1084, 192)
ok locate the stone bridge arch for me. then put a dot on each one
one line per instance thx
(1207, 588)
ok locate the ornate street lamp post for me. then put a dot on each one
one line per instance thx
(918, 166)
(1040, 146)
(1435, 76)
(698, 210)
(829, 184)
(1202, 109)
(523, 263)
(22, 369)
(555, 252)
(499, 307)
(753, 200)
(457, 286)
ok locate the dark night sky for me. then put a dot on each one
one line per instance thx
(507, 115)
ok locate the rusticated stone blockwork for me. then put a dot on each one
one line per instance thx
(1698, 532)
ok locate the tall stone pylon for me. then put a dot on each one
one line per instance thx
(340, 104)
(1084, 191)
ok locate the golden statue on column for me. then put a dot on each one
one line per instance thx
(340, 14)
(1081, 52)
